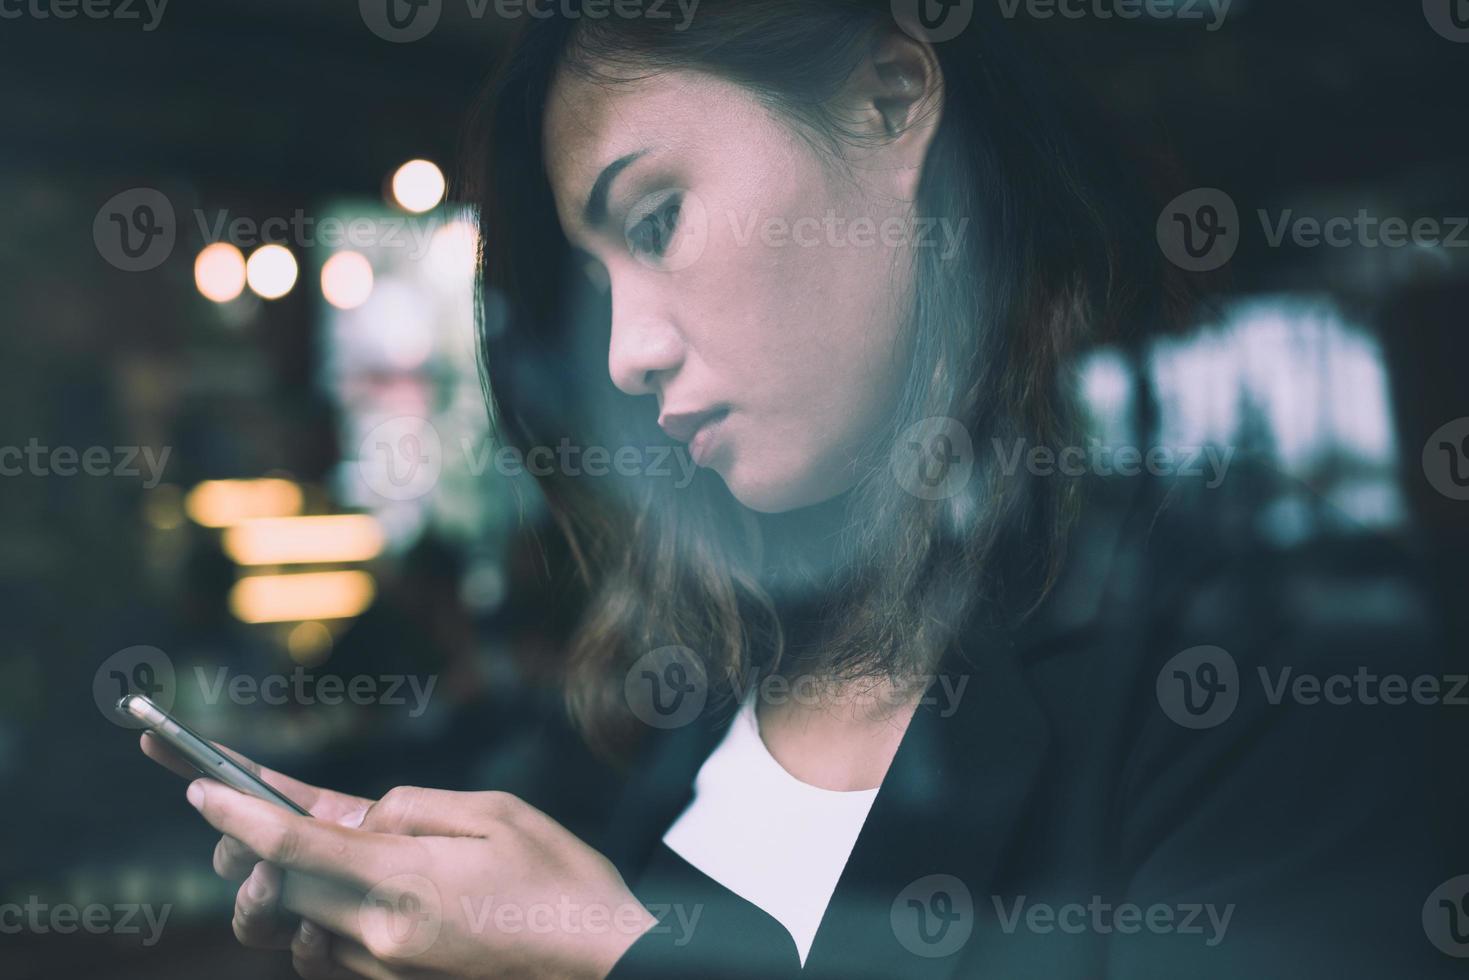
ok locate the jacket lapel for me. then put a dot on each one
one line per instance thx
(906, 902)
(660, 786)
(914, 898)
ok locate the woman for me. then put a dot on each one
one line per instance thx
(891, 709)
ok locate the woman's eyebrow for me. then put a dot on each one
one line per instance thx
(594, 214)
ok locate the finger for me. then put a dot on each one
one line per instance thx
(233, 861)
(418, 812)
(162, 753)
(297, 843)
(333, 906)
(325, 803)
(259, 921)
(311, 954)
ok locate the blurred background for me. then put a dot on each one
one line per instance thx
(246, 461)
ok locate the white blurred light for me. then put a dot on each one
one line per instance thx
(452, 253)
(271, 271)
(397, 320)
(219, 272)
(346, 280)
(418, 185)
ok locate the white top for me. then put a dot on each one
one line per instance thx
(773, 840)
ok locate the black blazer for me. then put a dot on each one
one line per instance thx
(1061, 823)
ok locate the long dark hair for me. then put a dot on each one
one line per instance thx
(883, 578)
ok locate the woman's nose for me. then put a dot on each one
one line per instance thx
(644, 345)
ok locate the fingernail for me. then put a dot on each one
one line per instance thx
(353, 819)
(308, 934)
(196, 793)
(255, 888)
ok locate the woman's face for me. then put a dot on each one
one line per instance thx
(758, 290)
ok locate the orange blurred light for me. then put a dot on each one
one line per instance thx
(298, 540)
(221, 503)
(302, 596)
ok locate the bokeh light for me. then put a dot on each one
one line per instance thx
(219, 272)
(346, 280)
(452, 253)
(418, 185)
(309, 643)
(271, 271)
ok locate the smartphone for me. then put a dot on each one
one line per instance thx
(201, 754)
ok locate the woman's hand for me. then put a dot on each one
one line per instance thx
(437, 884)
(259, 919)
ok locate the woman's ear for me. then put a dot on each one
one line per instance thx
(897, 96)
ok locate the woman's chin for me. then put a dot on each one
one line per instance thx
(773, 492)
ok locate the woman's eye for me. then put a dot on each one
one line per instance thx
(652, 235)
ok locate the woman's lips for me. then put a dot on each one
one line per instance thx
(698, 429)
(701, 446)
